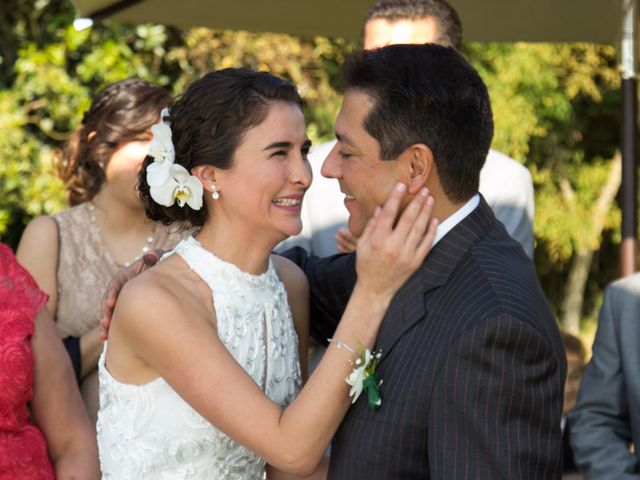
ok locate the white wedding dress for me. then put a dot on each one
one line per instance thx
(147, 432)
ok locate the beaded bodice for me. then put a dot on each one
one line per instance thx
(149, 432)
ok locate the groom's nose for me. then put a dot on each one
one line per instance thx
(332, 165)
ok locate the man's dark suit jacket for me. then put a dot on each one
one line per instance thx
(473, 366)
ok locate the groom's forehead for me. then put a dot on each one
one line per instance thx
(355, 108)
(350, 128)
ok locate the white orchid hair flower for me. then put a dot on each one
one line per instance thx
(180, 187)
(163, 153)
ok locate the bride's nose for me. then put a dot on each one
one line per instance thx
(300, 172)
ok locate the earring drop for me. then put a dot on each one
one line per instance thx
(214, 192)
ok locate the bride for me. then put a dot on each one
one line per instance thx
(207, 351)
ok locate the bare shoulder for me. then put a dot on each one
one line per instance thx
(38, 253)
(155, 294)
(40, 236)
(167, 299)
(158, 315)
(291, 275)
(42, 224)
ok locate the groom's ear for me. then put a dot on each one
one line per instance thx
(420, 165)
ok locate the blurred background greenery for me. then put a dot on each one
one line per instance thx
(556, 108)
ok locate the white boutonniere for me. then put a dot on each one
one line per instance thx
(363, 377)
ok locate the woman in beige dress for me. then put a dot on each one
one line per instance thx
(73, 254)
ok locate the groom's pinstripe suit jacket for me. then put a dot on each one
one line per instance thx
(473, 366)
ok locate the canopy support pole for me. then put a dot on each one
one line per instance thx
(113, 9)
(629, 246)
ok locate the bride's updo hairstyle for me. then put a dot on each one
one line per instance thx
(208, 123)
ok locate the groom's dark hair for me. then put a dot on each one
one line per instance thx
(426, 94)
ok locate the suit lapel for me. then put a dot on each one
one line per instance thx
(408, 306)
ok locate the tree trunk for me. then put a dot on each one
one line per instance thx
(581, 263)
(574, 290)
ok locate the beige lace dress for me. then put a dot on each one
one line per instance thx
(85, 267)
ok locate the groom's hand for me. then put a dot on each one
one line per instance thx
(110, 296)
(346, 242)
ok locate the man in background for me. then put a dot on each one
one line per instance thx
(505, 183)
(605, 423)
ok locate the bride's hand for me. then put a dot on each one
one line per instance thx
(386, 255)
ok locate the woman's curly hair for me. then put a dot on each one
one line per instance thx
(121, 112)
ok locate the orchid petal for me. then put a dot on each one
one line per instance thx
(186, 187)
(190, 184)
(180, 174)
(158, 173)
(197, 192)
(161, 137)
(164, 194)
(356, 380)
(355, 392)
(161, 144)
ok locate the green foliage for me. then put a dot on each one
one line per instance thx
(311, 63)
(555, 108)
(55, 70)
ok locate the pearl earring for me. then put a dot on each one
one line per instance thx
(214, 192)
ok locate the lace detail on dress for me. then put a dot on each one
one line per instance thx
(23, 450)
(149, 432)
(85, 267)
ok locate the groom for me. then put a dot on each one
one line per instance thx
(473, 366)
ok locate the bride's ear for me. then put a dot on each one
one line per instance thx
(207, 176)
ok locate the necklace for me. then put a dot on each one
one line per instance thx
(146, 247)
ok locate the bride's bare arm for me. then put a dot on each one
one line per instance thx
(184, 349)
(297, 287)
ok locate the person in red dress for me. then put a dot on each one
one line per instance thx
(44, 430)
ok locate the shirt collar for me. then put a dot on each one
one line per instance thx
(456, 218)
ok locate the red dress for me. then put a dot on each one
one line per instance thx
(23, 449)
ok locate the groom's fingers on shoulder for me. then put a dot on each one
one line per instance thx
(118, 281)
(113, 291)
(152, 257)
(108, 304)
